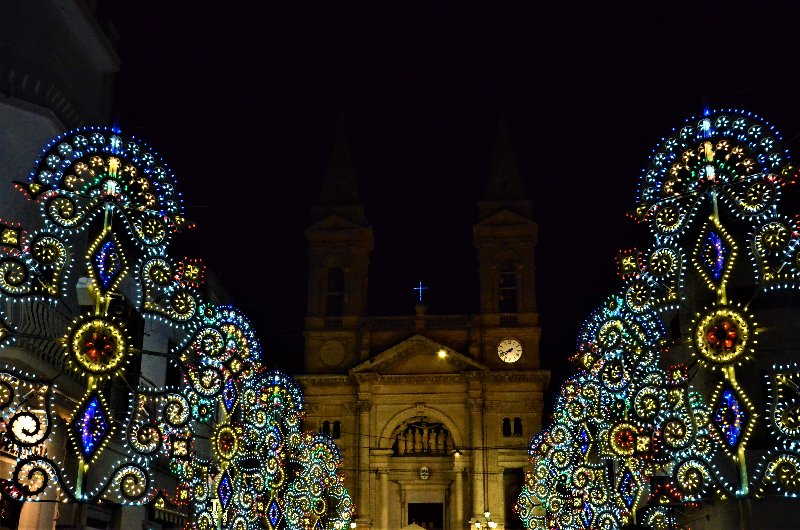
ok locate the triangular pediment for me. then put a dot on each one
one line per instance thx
(333, 222)
(418, 355)
(505, 217)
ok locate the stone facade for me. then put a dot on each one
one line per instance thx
(432, 423)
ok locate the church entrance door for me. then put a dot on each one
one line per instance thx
(429, 515)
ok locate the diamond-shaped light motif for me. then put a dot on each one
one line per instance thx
(274, 513)
(274, 439)
(627, 488)
(229, 395)
(91, 425)
(714, 254)
(108, 261)
(225, 490)
(587, 514)
(730, 417)
(584, 441)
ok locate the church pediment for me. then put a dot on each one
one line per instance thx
(333, 222)
(418, 355)
(505, 217)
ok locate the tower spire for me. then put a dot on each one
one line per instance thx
(339, 188)
(504, 187)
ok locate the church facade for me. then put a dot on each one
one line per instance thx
(432, 412)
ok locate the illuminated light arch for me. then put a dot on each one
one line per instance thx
(729, 166)
(109, 194)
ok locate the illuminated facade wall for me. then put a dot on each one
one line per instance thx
(431, 412)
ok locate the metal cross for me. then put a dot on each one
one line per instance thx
(420, 289)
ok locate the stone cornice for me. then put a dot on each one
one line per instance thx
(539, 378)
(323, 379)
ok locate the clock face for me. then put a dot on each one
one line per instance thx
(509, 350)
(332, 353)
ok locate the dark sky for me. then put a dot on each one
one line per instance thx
(242, 102)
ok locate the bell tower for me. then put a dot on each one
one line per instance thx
(505, 237)
(339, 243)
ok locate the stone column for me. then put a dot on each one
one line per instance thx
(476, 440)
(383, 524)
(459, 497)
(364, 508)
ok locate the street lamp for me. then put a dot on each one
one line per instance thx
(478, 524)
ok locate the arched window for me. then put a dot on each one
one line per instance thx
(507, 284)
(506, 427)
(420, 436)
(326, 428)
(517, 426)
(337, 430)
(334, 301)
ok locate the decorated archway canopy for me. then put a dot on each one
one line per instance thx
(669, 393)
(99, 302)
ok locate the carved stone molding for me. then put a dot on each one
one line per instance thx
(475, 404)
(494, 406)
(539, 378)
(363, 407)
(419, 380)
(351, 408)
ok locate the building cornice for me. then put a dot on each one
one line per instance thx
(539, 378)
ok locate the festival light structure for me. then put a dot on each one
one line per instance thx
(228, 431)
(664, 407)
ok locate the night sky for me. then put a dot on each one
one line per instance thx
(242, 102)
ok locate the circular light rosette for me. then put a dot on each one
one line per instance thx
(158, 272)
(176, 411)
(152, 230)
(145, 438)
(773, 238)
(226, 442)
(622, 439)
(210, 344)
(723, 336)
(614, 376)
(647, 403)
(131, 482)
(693, 478)
(48, 250)
(32, 476)
(677, 433)
(15, 278)
(207, 380)
(98, 345)
(206, 520)
(639, 295)
(663, 263)
(27, 429)
(182, 305)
